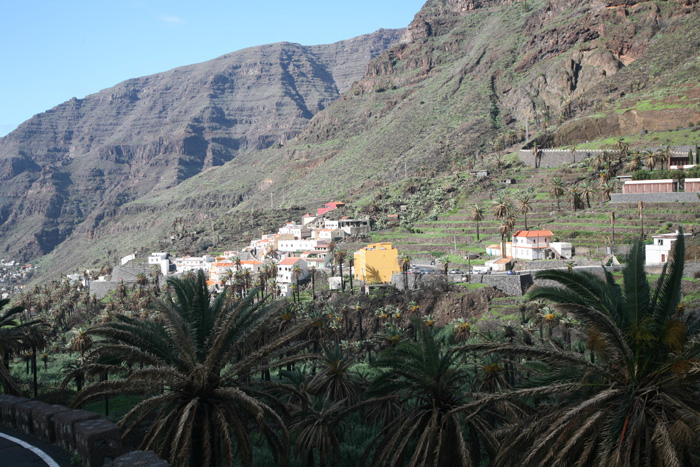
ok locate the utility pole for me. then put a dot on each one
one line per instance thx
(271, 201)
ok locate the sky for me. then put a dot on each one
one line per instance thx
(52, 51)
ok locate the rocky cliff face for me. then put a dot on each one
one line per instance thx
(72, 164)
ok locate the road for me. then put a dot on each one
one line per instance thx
(20, 450)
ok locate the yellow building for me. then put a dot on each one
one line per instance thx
(376, 263)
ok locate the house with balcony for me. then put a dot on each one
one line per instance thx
(286, 276)
(350, 226)
(531, 244)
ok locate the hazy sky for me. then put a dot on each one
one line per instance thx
(51, 51)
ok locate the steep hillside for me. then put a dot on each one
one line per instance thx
(467, 78)
(76, 163)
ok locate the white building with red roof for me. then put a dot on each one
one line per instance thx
(531, 244)
(286, 276)
(219, 270)
(307, 218)
(252, 265)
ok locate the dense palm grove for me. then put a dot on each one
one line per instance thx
(598, 373)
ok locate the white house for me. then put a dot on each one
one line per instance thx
(349, 226)
(563, 249)
(193, 263)
(307, 218)
(219, 270)
(285, 273)
(252, 265)
(531, 244)
(298, 231)
(328, 234)
(317, 259)
(290, 246)
(495, 250)
(658, 253)
(161, 260)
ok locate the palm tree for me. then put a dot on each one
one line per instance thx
(433, 426)
(606, 188)
(650, 159)
(557, 189)
(339, 257)
(635, 162)
(477, 216)
(587, 189)
(351, 264)
(405, 267)
(524, 204)
(612, 226)
(14, 337)
(502, 207)
(196, 365)
(574, 194)
(331, 249)
(296, 274)
(505, 229)
(639, 404)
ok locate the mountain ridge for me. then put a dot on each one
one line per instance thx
(74, 163)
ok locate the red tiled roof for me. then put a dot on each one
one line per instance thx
(533, 233)
(292, 260)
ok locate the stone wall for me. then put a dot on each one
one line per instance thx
(555, 157)
(96, 440)
(655, 198)
(417, 281)
(514, 285)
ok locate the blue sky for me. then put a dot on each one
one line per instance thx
(51, 51)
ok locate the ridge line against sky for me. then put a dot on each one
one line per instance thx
(54, 51)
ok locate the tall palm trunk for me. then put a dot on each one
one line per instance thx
(342, 282)
(34, 378)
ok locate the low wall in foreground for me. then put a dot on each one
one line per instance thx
(96, 440)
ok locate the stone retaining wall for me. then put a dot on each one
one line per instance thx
(96, 440)
(515, 285)
(555, 157)
(417, 281)
(677, 197)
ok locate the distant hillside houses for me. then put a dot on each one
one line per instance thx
(303, 246)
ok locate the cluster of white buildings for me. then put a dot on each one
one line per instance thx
(295, 249)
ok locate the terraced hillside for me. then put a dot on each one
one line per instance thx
(589, 229)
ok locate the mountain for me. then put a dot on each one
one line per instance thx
(466, 78)
(73, 164)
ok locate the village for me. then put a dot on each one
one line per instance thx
(304, 251)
